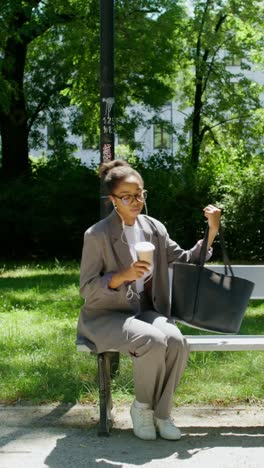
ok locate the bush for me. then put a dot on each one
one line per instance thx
(229, 178)
(237, 185)
(47, 213)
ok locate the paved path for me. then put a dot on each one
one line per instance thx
(65, 436)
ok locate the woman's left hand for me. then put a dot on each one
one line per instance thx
(213, 214)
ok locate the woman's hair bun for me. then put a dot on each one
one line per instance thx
(105, 168)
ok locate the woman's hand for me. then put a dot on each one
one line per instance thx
(136, 270)
(213, 214)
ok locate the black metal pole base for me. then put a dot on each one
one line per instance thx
(104, 367)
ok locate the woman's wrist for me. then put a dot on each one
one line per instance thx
(214, 229)
(117, 280)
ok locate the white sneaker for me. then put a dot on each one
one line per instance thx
(167, 429)
(143, 423)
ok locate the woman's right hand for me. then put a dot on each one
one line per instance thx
(137, 270)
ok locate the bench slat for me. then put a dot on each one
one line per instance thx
(213, 343)
(226, 342)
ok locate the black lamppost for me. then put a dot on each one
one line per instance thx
(107, 100)
(107, 153)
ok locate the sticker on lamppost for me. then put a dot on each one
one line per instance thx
(107, 128)
(107, 152)
(108, 119)
(109, 102)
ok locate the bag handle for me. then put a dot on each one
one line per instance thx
(223, 248)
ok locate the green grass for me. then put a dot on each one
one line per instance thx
(39, 308)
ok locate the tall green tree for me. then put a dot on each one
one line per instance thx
(147, 57)
(224, 101)
(22, 22)
(50, 61)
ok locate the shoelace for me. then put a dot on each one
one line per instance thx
(169, 422)
(146, 416)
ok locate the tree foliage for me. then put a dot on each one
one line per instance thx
(50, 60)
(146, 59)
(224, 101)
(21, 23)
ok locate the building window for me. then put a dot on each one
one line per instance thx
(162, 138)
(90, 142)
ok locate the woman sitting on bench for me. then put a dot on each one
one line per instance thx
(127, 304)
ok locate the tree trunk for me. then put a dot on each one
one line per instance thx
(191, 233)
(196, 134)
(13, 120)
(14, 142)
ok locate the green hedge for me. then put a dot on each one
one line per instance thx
(46, 214)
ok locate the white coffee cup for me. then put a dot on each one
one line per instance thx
(145, 251)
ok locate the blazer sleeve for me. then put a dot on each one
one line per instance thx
(176, 254)
(93, 280)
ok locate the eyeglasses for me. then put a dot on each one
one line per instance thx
(128, 199)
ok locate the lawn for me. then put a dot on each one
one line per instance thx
(39, 308)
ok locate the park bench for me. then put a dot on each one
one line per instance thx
(212, 342)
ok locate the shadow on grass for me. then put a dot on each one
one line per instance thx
(44, 283)
(67, 307)
(251, 324)
(255, 303)
(55, 293)
(49, 383)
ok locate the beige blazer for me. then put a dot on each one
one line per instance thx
(105, 253)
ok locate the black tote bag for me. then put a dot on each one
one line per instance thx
(202, 298)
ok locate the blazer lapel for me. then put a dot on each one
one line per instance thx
(120, 247)
(150, 232)
(151, 235)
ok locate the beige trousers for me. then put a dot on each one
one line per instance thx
(159, 353)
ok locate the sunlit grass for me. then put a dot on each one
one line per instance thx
(39, 308)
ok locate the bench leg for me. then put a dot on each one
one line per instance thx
(105, 398)
(115, 362)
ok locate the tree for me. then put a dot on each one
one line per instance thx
(21, 23)
(147, 51)
(225, 103)
(50, 60)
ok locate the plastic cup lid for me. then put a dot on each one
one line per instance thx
(144, 246)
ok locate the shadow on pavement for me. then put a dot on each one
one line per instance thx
(45, 420)
(60, 440)
(85, 449)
